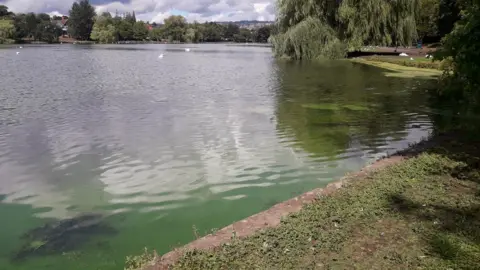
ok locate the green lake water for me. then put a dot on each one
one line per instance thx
(193, 141)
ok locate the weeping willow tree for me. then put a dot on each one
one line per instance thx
(310, 29)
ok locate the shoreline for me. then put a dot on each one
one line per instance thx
(397, 70)
(273, 216)
(269, 218)
(415, 209)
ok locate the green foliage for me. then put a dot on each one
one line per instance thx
(7, 31)
(104, 30)
(461, 48)
(174, 28)
(428, 18)
(231, 30)
(80, 23)
(4, 11)
(140, 31)
(156, 34)
(309, 39)
(191, 35)
(140, 261)
(212, 32)
(244, 35)
(125, 30)
(262, 34)
(47, 32)
(130, 17)
(350, 22)
(39, 27)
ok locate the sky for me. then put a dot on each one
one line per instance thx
(157, 10)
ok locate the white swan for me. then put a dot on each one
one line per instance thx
(160, 56)
(18, 53)
(187, 49)
(403, 54)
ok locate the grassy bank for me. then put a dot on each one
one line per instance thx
(397, 70)
(417, 62)
(423, 213)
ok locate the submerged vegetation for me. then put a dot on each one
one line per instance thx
(61, 236)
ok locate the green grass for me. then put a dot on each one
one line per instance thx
(418, 62)
(139, 261)
(421, 214)
(398, 70)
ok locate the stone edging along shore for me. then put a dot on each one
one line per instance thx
(268, 218)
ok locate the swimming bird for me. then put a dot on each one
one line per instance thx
(20, 47)
(18, 53)
(403, 54)
(160, 56)
(411, 58)
(187, 49)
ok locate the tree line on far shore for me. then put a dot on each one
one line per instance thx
(84, 24)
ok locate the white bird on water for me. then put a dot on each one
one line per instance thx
(18, 53)
(187, 49)
(20, 47)
(160, 56)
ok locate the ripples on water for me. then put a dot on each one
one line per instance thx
(201, 138)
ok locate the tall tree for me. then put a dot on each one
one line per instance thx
(80, 23)
(262, 34)
(7, 31)
(20, 26)
(462, 47)
(328, 28)
(4, 11)
(104, 30)
(130, 18)
(125, 30)
(175, 27)
(244, 35)
(231, 30)
(140, 31)
(47, 32)
(43, 17)
(31, 22)
(191, 35)
(428, 18)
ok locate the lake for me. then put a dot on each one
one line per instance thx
(166, 149)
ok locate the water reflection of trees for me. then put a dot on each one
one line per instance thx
(329, 107)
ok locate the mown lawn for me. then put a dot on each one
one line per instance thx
(421, 214)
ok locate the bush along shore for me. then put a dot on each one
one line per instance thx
(420, 213)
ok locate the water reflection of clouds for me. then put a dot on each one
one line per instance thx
(116, 134)
(127, 131)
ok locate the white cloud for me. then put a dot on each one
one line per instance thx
(157, 10)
